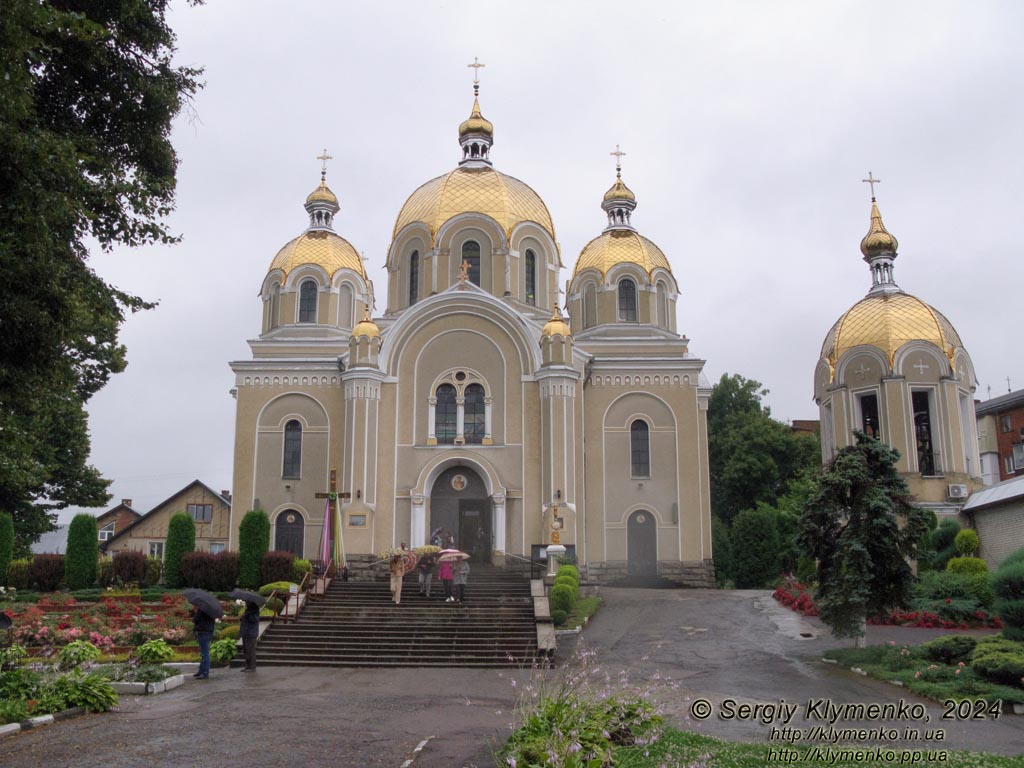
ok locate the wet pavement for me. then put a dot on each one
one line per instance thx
(684, 645)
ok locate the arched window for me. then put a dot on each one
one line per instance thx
(292, 449)
(589, 305)
(307, 302)
(663, 307)
(447, 415)
(471, 255)
(346, 303)
(414, 277)
(474, 418)
(275, 306)
(640, 448)
(531, 277)
(627, 301)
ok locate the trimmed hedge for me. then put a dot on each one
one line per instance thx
(6, 545)
(755, 548)
(212, 572)
(939, 546)
(277, 566)
(569, 570)
(83, 552)
(568, 581)
(300, 568)
(129, 567)
(939, 585)
(559, 616)
(966, 542)
(105, 572)
(1009, 587)
(966, 564)
(19, 574)
(281, 587)
(154, 570)
(47, 572)
(230, 632)
(253, 542)
(950, 649)
(563, 598)
(1000, 667)
(181, 538)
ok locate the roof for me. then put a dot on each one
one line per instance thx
(620, 246)
(52, 542)
(138, 521)
(323, 248)
(1008, 490)
(112, 510)
(1001, 403)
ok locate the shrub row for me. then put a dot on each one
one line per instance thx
(564, 592)
(213, 572)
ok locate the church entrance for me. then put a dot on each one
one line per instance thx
(289, 535)
(642, 544)
(460, 504)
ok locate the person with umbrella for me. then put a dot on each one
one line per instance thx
(205, 611)
(397, 568)
(249, 625)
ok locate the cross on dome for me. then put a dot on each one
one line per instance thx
(476, 65)
(618, 154)
(872, 181)
(476, 134)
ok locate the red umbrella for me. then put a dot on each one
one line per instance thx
(409, 560)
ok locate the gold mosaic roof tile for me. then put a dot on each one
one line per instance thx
(325, 249)
(505, 199)
(878, 239)
(618, 246)
(887, 322)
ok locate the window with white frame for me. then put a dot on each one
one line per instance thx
(589, 305)
(531, 277)
(201, 513)
(627, 300)
(867, 404)
(216, 547)
(107, 531)
(640, 448)
(292, 450)
(156, 549)
(307, 302)
(1018, 457)
(471, 255)
(414, 277)
(460, 410)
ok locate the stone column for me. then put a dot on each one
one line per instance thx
(488, 439)
(431, 421)
(460, 422)
(418, 524)
(499, 522)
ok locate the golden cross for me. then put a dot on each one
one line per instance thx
(323, 168)
(476, 70)
(618, 154)
(463, 273)
(872, 181)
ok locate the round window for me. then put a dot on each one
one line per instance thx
(641, 519)
(290, 518)
(460, 376)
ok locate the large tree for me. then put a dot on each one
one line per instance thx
(863, 530)
(753, 458)
(87, 96)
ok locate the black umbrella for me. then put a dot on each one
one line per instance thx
(249, 597)
(204, 601)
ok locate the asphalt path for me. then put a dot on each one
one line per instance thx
(678, 646)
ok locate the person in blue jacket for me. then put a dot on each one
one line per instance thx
(203, 624)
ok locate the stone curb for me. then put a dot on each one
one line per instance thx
(35, 722)
(142, 689)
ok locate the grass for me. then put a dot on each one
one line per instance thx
(681, 749)
(585, 608)
(936, 681)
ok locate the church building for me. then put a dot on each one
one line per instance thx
(894, 368)
(472, 403)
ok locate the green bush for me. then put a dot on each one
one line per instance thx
(281, 587)
(90, 692)
(6, 545)
(154, 570)
(1001, 667)
(1008, 583)
(939, 545)
(563, 598)
(755, 548)
(77, 652)
(253, 543)
(806, 570)
(966, 564)
(571, 571)
(19, 574)
(129, 567)
(223, 651)
(83, 552)
(967, 542)
(105, 572)
(154, 652)
(300, 568)
(229, 632)
(1017, 556)
(996, 644)
(569, 582)
(559, 616)
(47, 571)
(950, 649)
(722, 547)
(13, 710)
(181, 538)
(938, 585)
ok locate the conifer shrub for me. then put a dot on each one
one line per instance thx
(129, 567)
(559, 616)
(253, 542)
(940, 585)
(563, 598)
(83, 552)
(281, 587)
(806, 570)
(966, 542)
(966, 564)
(950, 649)
(19, 574)
(568, 581)
(300, 568)
(940, 545)
(1008, 584)
(569, 570)
(105, 572)
(47, 572)
(181, 538)
(277, 566)
(1017, 556)
(755, 548)
(6, 545)
(213, 572)
(154, 570)
(229, 632)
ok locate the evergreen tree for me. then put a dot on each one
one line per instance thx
(253, 543)
(755, 548)
(862, 529)
(6, 545)
(181, 538)
(87, 97)
(83, 553)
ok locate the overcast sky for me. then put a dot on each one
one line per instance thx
(747, 127)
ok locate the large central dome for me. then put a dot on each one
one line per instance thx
(505, 199)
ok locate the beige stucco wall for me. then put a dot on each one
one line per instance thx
(152, 527)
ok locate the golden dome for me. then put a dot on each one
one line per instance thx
(322, 193)
(621, 246)
(619, 191)
(887, 321)
(556, 326)
(320, 247)
(505, 199)
(476, 122)
(366, 327)
(877, 240)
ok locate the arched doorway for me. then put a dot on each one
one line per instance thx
(642, 544)
(460, 504)
(290, 529)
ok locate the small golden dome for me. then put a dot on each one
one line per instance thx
(618, 247)
(556, 326)
(505, 199)
(322, 194)
(476, 122)
(877, 240)
(619, 191)
(366, 327)
(887, 321)
(320, 247)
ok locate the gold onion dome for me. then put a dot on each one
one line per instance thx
(366, 327)
(621, 246)
(619, 191)
(887, 321)
(878, 240)
(556, 326)
(505, 199)
(476, 122)
(323, 194)
(322, 248)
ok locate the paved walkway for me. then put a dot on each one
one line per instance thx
(686, 644)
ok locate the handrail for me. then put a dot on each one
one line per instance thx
(285, 615)
(533, 563)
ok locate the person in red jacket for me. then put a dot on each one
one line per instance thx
(444, 573)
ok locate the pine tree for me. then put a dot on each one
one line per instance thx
(181, 538)
(83, 553)
(862, 529)
(253, 543)
(6, 545)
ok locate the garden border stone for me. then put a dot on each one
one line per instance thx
(143, 689)
(34, 722)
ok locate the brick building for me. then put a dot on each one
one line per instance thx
(1001, 436)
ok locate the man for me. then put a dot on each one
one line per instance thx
(203, 624)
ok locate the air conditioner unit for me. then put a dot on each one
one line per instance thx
(957, 491)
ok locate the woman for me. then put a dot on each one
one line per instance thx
(249, 630)
(461, 574)
(444, 573)
(397, 572)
